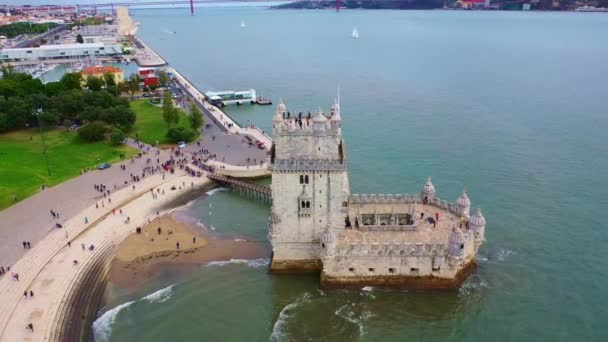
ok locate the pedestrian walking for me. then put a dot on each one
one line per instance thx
(82, 245)
(29, 246)
(31, 293)
(86, 220)
(25, 294)
(69, 244)
(194, 239)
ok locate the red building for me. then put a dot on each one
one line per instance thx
(148, 77)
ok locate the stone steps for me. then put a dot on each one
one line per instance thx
(30, 265)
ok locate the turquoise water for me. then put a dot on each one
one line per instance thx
(510, 105)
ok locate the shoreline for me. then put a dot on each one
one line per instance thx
(141, 258)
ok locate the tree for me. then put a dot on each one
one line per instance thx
(79, 39)
(196, 117)
(177, 134)
(169, 112)
(117, 137)
(95, 83)
(133, 83)
(163, 78)
(92, 132)
(71, 80)
(109, 79)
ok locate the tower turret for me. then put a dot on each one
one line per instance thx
(456, 243)
(477, 224)
(277, 120)
(463, 204)
(336, 120)
(328, 242)
(319, 123)
(428, 191)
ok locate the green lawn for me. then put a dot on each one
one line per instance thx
(149, 126)
(22, 165)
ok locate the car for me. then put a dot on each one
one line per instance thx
(146, 95)
(103, 166)
(181, 144)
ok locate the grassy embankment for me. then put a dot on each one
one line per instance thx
(150, 126)
(23, 169)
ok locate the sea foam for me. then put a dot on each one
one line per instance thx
(214, 191)
(102, 327)
(250, 263)
(278, 329)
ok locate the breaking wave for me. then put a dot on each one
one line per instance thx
(355, 314)
(250, 263)
(160, 296)
(216, 190)
(278, 329)
(471, 285)
(102, 327)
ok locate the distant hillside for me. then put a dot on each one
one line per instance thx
(547, 5)
(365, 4)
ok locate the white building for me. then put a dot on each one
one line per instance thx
(315, 223)
(46, 52)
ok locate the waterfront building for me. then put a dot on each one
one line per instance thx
(316, 224)
(63, 51)
(221, 98)
(99, 71)
(148, 76)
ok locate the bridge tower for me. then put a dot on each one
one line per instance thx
(191, 7)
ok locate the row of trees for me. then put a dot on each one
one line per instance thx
(26, 102)
(171, 118)
(16, 29)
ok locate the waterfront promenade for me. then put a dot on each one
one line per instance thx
(49, 270)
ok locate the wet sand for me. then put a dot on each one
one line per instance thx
(143, 257)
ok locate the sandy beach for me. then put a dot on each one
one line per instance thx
(142, 257)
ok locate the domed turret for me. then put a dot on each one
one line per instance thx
(477, 224)
(457, 241)
(428, 191)
(463, 204)
(277, 119)
(328, 242)
(336, 120)
(318, 123)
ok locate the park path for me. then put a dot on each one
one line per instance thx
(47, 268)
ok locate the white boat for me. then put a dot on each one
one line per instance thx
(243, 24)
(355, 33)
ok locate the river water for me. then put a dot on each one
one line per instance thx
(511, 105)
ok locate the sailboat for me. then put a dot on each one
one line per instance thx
(355, 33)
(243, 24)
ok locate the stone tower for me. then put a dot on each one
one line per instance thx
(309, 187)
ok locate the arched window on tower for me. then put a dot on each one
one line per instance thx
(301, 179)
(307, 204)
(306, 179)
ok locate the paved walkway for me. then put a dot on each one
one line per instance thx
(48, 268)
(30, 220)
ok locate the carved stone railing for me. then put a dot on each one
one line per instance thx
(307, 165)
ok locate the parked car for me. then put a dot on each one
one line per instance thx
(181, 144)
(103, 166)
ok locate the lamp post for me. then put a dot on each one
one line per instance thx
(46, 158)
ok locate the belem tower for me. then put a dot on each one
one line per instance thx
(316, 224)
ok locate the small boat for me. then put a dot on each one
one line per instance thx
(262, 101)
(355, 33)
(243, 24)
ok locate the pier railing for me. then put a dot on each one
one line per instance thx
(258, 191)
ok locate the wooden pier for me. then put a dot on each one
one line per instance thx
(254, 190)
